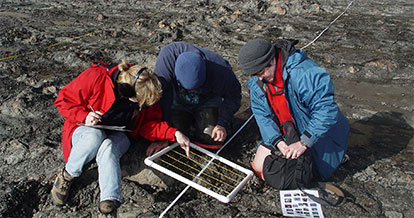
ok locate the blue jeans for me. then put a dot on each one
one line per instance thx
(107, 147)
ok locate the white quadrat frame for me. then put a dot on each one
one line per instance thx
(150, 161)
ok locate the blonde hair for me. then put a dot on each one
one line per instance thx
(147, 87)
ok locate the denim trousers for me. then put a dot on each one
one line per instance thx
(107, 147)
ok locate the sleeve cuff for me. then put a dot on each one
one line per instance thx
(223, 124)
(276, 141)
(307, 140)
(171, 134)
(81, 116)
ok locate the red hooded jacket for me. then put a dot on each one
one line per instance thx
(94, 87)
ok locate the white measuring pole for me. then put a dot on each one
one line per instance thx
(186, 188)
(329, 25)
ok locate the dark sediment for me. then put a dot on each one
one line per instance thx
(368, 53)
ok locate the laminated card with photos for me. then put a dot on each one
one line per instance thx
(203, 170)
(295, 203)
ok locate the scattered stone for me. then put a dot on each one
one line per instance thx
(393, 214)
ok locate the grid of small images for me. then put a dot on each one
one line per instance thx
(297, 204)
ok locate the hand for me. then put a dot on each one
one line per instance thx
(283, 147)
(295, 150)
(156, 146)
(219, 133)
(183, 141)
(93, 118)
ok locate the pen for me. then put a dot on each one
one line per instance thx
(95, 113)
(92, 109)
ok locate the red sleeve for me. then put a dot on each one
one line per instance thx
(72, 101)
(151, 127)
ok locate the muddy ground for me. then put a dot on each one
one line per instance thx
(368, 53)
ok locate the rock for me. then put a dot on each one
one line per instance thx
(370, 172)
(101, 17)
(49, 90)
(134, 169)
(393, 214)
(277, 10)
(15, 152)
(151, 177)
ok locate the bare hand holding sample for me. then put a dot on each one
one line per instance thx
(219, 134)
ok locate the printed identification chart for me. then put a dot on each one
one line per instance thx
(295, 203)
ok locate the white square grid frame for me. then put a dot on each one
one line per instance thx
(163, 159)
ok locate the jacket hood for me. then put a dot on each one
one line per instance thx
(295, 58)
(286, 46)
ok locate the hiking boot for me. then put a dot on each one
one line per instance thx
(107, 209)
(60, 190)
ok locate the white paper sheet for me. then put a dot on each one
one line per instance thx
(115, 128)
(297, 204)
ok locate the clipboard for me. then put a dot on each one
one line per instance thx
(114, 128)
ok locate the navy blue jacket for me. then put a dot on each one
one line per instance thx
(220, 80)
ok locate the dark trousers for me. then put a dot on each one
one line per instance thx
(197, 125)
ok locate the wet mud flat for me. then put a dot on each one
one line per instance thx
(368, 53)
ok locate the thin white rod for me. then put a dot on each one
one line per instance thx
(320, 34)
(234, 135)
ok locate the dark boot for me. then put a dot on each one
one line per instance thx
(60, 190)
(107, 209)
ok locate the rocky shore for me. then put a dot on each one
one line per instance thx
(368, 52)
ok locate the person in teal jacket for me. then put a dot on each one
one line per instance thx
(309, 92)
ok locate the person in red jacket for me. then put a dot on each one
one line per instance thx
(101, 96)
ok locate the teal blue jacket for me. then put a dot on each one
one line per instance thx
(310, 95)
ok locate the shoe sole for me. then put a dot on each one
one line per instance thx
(54, 202)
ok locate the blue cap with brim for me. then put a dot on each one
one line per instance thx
(190, 70)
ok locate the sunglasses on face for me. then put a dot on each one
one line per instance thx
(126, 90)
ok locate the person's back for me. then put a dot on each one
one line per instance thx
(200, 89)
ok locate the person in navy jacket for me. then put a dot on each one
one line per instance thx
(321, 127)
(200, 92)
